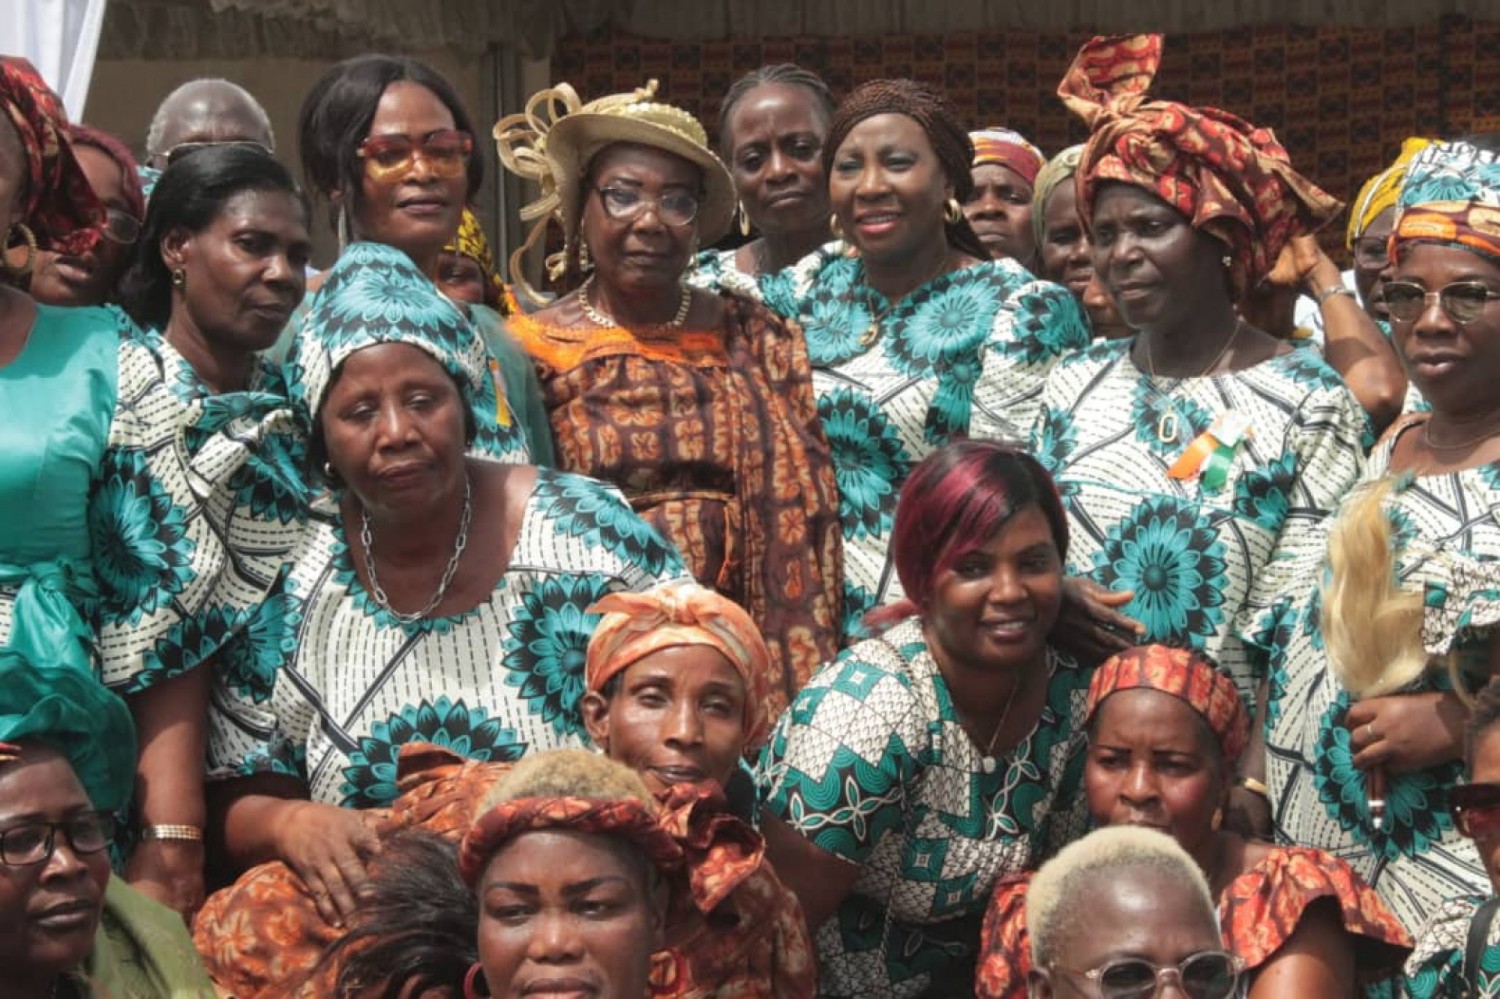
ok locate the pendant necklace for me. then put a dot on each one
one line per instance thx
(877, 321)
(1169, 424)
(987, 763)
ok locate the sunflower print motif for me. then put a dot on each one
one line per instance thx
(142, 553)
(547, 646)
(869, 461)
(582, 508)
(1435, 969)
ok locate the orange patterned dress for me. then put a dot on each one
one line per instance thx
(714, 437)
(737, 934)
(1258, 912)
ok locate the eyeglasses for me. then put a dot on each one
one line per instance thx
(182, 149)
(1211, 974)
(1371, 253)
(1476, 809)
(121, 227)
(31, 842)
(446, 153)
(1463, 301)
(624, 203)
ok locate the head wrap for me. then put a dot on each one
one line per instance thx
(556, 138)
(1452, 197)
(1381, 191)
(60, 207)
(1056, 170)
(374, 294)
(929, 109)
(1186, 676)
(571, 790)
(471, 242)
(130, 177)
(66, 708)
(673, 614)
(1007, 148)
(1230, 178)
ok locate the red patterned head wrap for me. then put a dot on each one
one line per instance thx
(1008, 148)
(1183, 674)
(1230, 178)
(60, 207)
(672, 614)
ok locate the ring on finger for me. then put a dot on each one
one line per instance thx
(1370, 731)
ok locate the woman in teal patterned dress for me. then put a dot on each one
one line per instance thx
(924, 764)
(915, 335)
(435, 598)
(1399, 595)
(1189, 452)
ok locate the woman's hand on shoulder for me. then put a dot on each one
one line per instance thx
(327, 846)
(1090, 628)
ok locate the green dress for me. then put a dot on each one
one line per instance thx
(141, 951)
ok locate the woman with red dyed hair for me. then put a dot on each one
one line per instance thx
(928, 762)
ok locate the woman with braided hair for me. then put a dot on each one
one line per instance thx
(916, 336)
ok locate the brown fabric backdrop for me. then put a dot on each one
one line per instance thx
(1340, 99)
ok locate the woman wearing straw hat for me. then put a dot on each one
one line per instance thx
(699, 406)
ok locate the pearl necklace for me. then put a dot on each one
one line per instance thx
(367, 541)
(600, 319)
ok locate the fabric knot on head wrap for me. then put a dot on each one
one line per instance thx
(1451, 196)
(471, 242)
(675, 614)
(1008, 148)
(66, 708)
(60, 207)
(555, 139)
(1053, 173)
(1186, 676)
(1230, 178)
(1381, 191)
(931, 110)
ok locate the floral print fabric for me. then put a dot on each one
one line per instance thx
(713, 435)
(963, 355)
(872, 764)
(325, 685)
(716, 271)
(1435, 969)
(1447, 541)
(1194, 557)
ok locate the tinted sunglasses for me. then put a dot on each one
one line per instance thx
(1463, 301)
(1210, 974)
(182, 149)
(446, 153)
(1476, 809)
(121, 227)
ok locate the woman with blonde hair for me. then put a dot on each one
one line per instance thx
(1364, 721)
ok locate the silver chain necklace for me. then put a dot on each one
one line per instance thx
(684, 306)
(459, 543)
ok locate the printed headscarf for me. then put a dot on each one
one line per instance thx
(60, 208)
(1186, 676)
(1058, 169)
(1231, 179)
(68, 709)
(929, 109)
(675, 614)
(109, 145)
(373, 295)
(471, 242)
(1381, 191)
(1451, 197)
(1008, 148)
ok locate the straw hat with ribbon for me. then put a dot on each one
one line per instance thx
(553, 141)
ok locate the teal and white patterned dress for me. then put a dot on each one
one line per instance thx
(963, 355)
(1448, 545)
(871, 764)
(716, 271)
(1194, 555)
(327, 686)
(1436, 965)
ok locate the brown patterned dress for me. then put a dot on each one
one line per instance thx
(714, 437)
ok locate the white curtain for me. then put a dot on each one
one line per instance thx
(61, 38)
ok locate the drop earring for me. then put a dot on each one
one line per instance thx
(953, 212)
(834, 229)
(345, 237)
(744, 220)
(179, 278)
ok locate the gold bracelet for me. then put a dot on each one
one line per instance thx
(172, 833)
(1254, 787)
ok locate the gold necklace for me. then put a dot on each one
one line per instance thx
(684, 305)
(872, 331)
(1169, 423)
(987, 762)
(1450, 448)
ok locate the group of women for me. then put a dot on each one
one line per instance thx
(875, 568)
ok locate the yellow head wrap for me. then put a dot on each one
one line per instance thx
(1381, 191)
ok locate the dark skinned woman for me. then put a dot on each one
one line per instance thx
(1006, 165)
(1165, 733)
(697, 405)
(1186, 454)
(925, 764)
(772, 124)
(1389, 612)
(1064, 252)
(916, 336)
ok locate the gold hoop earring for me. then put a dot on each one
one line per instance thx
(179, 279)
(744, 220)
(1217, 820)
(834, 229)
(29, 238)
(953, 212)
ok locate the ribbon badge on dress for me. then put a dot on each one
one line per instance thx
(1209, 456)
